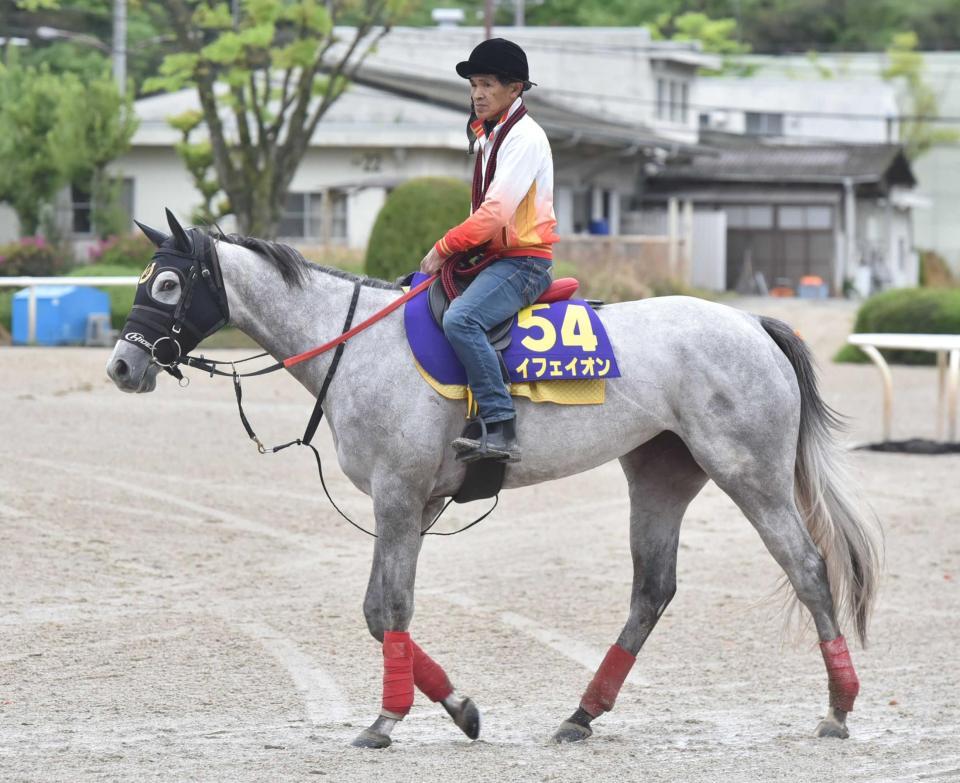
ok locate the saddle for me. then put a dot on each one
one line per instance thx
(499, 335)
(565, 340)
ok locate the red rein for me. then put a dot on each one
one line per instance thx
(844, 684)
(302, 357)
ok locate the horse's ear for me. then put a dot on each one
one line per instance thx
(155, 236)
(179, 235)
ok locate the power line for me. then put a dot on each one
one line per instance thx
(379, 59)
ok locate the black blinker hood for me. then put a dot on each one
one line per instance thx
(169, 332)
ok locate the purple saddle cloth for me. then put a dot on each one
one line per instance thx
(550, 342)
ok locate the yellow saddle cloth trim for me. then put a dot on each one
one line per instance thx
(589, 391)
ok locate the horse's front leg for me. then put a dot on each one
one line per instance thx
(388, 607)
(428, 676)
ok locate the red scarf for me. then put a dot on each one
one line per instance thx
(464, 264)
(480, 183)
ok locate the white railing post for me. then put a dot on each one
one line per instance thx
(32, 316)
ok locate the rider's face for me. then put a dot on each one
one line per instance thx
(490, 97)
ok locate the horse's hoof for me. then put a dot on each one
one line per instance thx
(467, 717)
(572, 732)
(371, 739)
(829, 728)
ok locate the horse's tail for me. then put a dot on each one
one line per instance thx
(850, 541)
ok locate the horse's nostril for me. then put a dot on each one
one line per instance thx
(120, 367)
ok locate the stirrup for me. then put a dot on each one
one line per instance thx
(470, 448)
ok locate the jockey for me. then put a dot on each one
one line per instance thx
(512, 218)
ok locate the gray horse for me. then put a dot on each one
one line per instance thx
(707, 392)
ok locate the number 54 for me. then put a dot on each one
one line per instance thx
(576, 331)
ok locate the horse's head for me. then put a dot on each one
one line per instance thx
(180, 300)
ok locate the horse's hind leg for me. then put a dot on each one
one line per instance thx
(759, 477)
(663, 478)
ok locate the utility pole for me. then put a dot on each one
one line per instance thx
(518, 13)
(119, 50)
(487, 19)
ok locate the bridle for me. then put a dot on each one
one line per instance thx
(178, 329)
(169, 332)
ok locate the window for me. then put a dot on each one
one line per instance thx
(790, 217)
(82, 209)
(673, 100)
(749, 217)
(305, 216)
(661, 99)
(819, 217)
(83, 220)
(764, 124)
(338, 214)
(795, 218)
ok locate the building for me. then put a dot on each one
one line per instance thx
(844, 97)
(803, 110)
(838, 212)
(636, 152)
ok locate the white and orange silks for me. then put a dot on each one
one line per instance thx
(516, 218)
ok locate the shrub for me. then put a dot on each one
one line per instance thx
(133, 250)
(909, 311)
(415, 215)
(32, 256)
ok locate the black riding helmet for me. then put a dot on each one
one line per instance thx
(496, 56)
(500, 57)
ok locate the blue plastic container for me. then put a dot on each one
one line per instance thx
(62, 312)
(600, 227)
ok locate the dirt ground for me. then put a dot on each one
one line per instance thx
(174, 606)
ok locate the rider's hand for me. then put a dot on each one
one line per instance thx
(431, 262)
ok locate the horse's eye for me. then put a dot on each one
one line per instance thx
(168, 285)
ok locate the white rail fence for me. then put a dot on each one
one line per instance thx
(32, 283)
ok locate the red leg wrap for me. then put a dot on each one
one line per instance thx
(428, 676)
(602, 691)
(844, 684)
(397, 672)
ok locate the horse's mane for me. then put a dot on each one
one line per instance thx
(291, 264)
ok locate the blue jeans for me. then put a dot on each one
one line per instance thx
(499, 292)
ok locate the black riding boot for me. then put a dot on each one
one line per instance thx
(498, 442)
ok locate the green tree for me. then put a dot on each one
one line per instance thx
(198, 157)
(918, 130)
(415, 215)
(90, 22)
(265, 79)
(768, 26)
(54, 130)
(717, 36)
(32, 169)
(96, 130)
